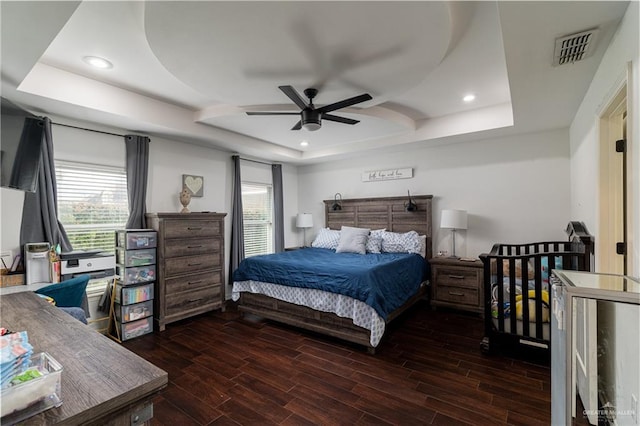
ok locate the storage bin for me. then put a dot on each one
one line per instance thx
(135, 257)
(136, 274)
(136, 238)
(127, 313)
(129, 330)
(44, 390)
(128, 295)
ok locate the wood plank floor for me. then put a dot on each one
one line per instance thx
(224, 370)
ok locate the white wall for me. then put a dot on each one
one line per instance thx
(515, 189)
(584, 140)
(168, 161)
(584, 132)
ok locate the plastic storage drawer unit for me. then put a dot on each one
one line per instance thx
(128, 295)
(136, 239)
(136, 257)
(126, 313)
(136, 274)
(129, 330)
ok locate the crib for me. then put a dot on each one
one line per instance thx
(517, 312)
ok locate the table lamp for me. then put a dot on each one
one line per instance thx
(304, 221)
(454, 220)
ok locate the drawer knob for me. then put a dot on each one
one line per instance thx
(191, 247)
(195, 264)
(195, 300)
(456, 293)
(457, 277)
(195, 282)
(194, 229)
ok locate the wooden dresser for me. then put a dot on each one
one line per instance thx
(190, 265)
(457, 284)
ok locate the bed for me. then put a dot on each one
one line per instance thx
(517, 289)
(338, 306)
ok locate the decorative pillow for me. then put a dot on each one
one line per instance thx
(327, 238)
(378, 232)
(408, 242)
(374, 244)
(352, 240)
(423, 245)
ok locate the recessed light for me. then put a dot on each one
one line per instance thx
(97, 62)
(469, 98)
(304, 143)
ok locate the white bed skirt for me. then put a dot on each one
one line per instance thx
(362, 314)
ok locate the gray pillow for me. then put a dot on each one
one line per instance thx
(353, 240)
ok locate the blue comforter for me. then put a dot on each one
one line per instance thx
(383, 281)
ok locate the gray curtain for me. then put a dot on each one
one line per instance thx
(40, 209)
(278, 209)
(237, 226)
(137, 171)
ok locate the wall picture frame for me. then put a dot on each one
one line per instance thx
(193, 184)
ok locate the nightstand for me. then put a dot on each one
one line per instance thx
(457, 284)
(292, 248)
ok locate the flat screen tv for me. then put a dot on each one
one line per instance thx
(20, 147)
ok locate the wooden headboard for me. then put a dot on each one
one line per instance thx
(383, 212)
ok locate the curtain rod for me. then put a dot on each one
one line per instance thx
(256, 161)
(88, 130)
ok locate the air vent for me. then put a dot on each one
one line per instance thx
(574, 47)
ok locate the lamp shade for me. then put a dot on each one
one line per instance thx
(453, 219)
(304, 220)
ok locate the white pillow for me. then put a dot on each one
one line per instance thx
(353, 240)
(327, 238)
(423, 245)
(408, 242)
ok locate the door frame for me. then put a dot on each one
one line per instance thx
(611, 229)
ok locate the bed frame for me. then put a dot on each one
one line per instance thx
(505, 331)
(372, 213)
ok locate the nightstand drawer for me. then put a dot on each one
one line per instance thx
(458, 295)
(461, 277)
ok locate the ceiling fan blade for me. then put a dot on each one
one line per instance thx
(271, 113)
(298, 126)
(345, 103)
(294, 96)
(335, 118)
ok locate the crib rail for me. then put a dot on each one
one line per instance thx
(514, 265)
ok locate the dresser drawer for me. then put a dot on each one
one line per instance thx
(458, 295)
(183, 265)
(462, 277)
(192, 282)
(191, 228)
(182, 302)
(189, 247)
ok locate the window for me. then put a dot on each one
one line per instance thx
(92, 203)
(257, 202)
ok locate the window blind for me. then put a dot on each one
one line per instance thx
(257, 214)
(92, 203)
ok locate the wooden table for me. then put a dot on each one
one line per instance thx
(102, 382)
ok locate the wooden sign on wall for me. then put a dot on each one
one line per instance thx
(389, 174)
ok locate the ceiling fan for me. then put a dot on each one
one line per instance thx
(310, 116)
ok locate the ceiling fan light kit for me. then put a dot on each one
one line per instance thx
(310, 116)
